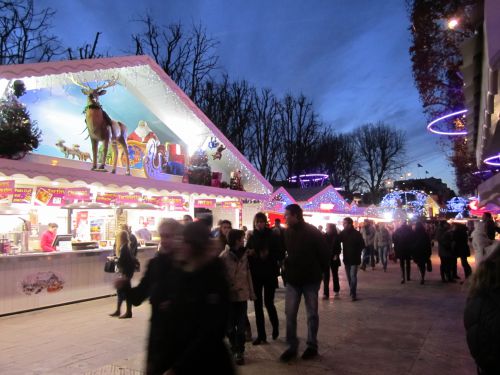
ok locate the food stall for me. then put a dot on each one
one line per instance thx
(170, 160)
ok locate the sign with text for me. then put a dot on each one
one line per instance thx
(127, 198)
(231, 204)
(78, 194)
(157, 200)
(205, 203)
(47, 196)
(22, 195)
(326, 206)
(175, 203)
(106, 198)
(6, 191)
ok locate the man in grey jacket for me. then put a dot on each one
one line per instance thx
(307, 259)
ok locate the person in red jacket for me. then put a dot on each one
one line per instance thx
(48, 238)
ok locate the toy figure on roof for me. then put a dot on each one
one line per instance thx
(142, 133)
(199, 172)
(235, 182)
(218, 153)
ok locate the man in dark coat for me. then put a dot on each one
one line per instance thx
(307, 259)
(403, 246)
(352, 245)
(491, 228)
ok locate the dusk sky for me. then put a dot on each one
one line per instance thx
(350, 57)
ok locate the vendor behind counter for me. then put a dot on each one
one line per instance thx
(47, 239)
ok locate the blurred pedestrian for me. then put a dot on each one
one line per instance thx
(332, 240)
(491, 227)
(265, 256)
(460, 248)
(224, 228)
(307, 259)
(403, 246)
(368, 233)
(445, 252)
(126, 264)
(482, 315)
(422, 249)
(352, 246)
(189, 297)
(240, 291)
(383, 243)
(480, 241)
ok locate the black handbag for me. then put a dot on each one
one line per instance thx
(429, 266)
(110, 266)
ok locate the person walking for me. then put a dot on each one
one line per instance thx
(403, 245)
(126, 266)
(307, 259)
(352, 246)
(240, 291)
(368, 233)
(189, 293)
(265, 256)
(445, 252)
(224, 228)
(491, 227)
(333, 242)
(383, 244)
(482, 315)
(422, 249)
(480, 241)
(460, 248)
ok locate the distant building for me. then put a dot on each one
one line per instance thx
(434, 187)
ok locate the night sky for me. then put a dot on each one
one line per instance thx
(350, 57)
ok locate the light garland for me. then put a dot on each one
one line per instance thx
(430, 126)
(331, 196)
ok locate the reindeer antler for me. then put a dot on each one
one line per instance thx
(110, 83)
(83, 86)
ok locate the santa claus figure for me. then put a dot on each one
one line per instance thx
(142, 133)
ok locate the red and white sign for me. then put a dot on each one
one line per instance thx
(231, 204)
(47, 196)
(6, 191)
(22, 195)
(78, 194)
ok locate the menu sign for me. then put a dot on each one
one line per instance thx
(6, 191)
(45, 196)
(106, 198)
(22, 195)
(204, 203)
(126, 198)
(231, 204)
(155, 200)
(78, 194)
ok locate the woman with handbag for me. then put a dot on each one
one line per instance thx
(126, 264)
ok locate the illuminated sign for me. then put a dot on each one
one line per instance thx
(46, 196)
(231, 204)
(204, 203)
(106, 198)
(326, 206)
(22, 195)
(78, 194)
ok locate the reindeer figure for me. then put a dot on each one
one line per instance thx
(101, 127)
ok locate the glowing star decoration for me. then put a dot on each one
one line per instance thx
(493, 160)
(459, 126)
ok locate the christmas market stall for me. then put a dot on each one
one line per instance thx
(92, 145)
(322, 205)
(276, 203)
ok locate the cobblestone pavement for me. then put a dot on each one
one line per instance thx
(391, 329)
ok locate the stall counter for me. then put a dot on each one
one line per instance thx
(35, 280)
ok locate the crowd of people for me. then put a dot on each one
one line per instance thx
(201, 280)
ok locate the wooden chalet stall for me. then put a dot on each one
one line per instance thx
(180, 163)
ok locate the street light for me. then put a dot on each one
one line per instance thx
(453, 23)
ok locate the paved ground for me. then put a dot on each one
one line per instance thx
(392, 329)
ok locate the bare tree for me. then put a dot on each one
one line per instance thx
(25, 33)
(187, 57)
(381, 150)
(266, 146)
(337, 156)
(300, 133)
(87, 51)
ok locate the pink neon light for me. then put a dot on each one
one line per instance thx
(490, 161)
(429, 127)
